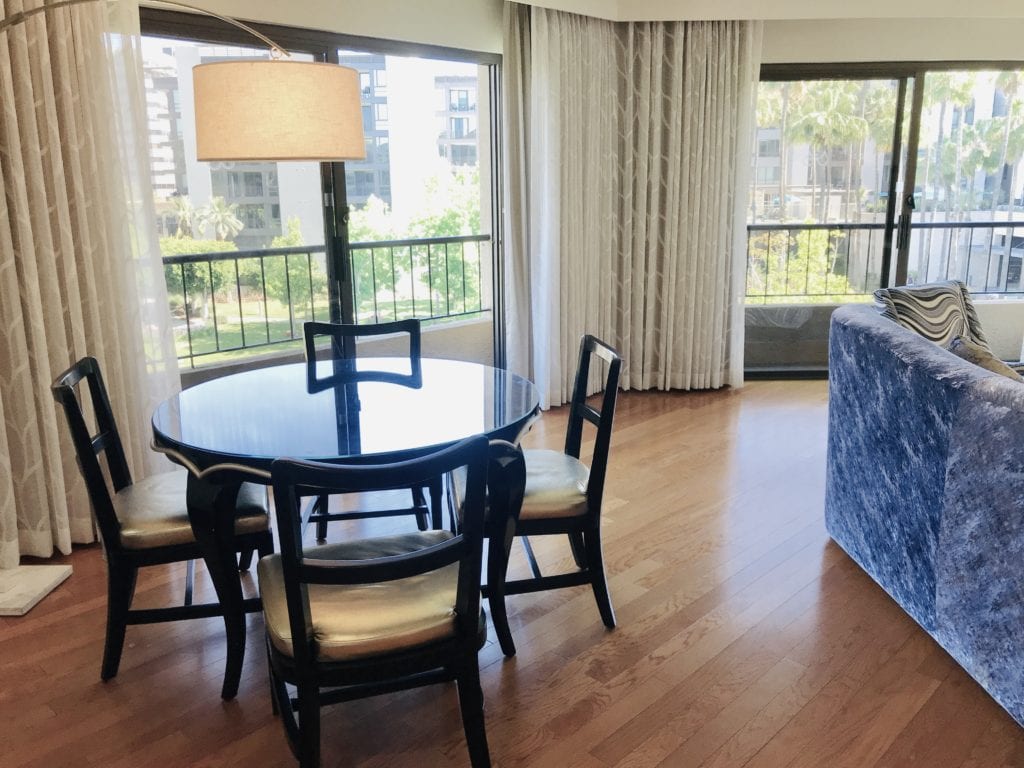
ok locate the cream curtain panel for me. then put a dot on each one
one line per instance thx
(627, 160)
(80, 271)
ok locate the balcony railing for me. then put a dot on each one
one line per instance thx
(226, 304)
(834, 263)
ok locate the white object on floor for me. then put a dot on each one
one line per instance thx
(22, 587)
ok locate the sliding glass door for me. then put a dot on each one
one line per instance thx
(874, 180)
(252, 250)
(829, 165)
(823, 174)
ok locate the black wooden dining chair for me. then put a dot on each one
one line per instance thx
(142, 523)
(562, 497)
(342, 347)
(371, 616)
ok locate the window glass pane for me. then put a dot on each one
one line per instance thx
(182, 184)
(969, 181)
(426, 177)
(819, 190)
(221, 305)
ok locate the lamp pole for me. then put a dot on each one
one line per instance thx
(20, 16)
(339, 270)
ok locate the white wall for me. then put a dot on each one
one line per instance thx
(975, 39)
(1003, 323)
(794, 31)
(470, 24)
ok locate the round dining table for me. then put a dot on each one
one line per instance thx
(230, 430)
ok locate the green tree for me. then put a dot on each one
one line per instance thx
(1009, 83)
(797, 270)
(292, 235)
(419, 277)
(454, 207)
(944, 93)
(190, 287)
(371, 223)
(951, 91)
(186, 215)
(879, 112)
(221, 216)
(299, 279)
(829, 118)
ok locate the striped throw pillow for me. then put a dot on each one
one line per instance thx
(938, 311)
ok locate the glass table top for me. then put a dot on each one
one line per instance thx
(260, 415)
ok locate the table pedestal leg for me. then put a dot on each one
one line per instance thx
(211, 510)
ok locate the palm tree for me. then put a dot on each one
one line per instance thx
(185, 213)
(946, 90)
(222, 216)
(769, 109)
(829, 118)
(880, 111)
(1009, 82)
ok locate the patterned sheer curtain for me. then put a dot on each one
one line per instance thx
(80, 270)
(627, 160)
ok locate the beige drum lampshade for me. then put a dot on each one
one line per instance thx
(260, 109)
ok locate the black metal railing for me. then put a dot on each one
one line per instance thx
(227, 303)
(450, 283)
(985, 255)
(819, 263)
(834, 263)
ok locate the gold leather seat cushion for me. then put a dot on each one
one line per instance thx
(153, 513)
(360, 620)
(556, 485)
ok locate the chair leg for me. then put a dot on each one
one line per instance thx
(471, 704)
(595, 564)
(265, 544)
(309, 725)
(276, 688)
(321, 524)
(245, 559)
(190, 581)
(497, 567)
(120, 590)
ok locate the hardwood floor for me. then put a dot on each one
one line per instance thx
(745, 637)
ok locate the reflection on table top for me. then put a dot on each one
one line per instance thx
(260, 415)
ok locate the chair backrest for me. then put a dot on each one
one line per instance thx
(343, 335)
(506, 484)
(938, 311)
(343, 351)
(89, 445)
(294, 480)
(579, 411)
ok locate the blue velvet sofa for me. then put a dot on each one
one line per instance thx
(925, 490)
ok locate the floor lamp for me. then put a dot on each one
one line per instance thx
(271, 110)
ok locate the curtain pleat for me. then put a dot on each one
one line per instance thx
(631, 151)
(80, 272)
